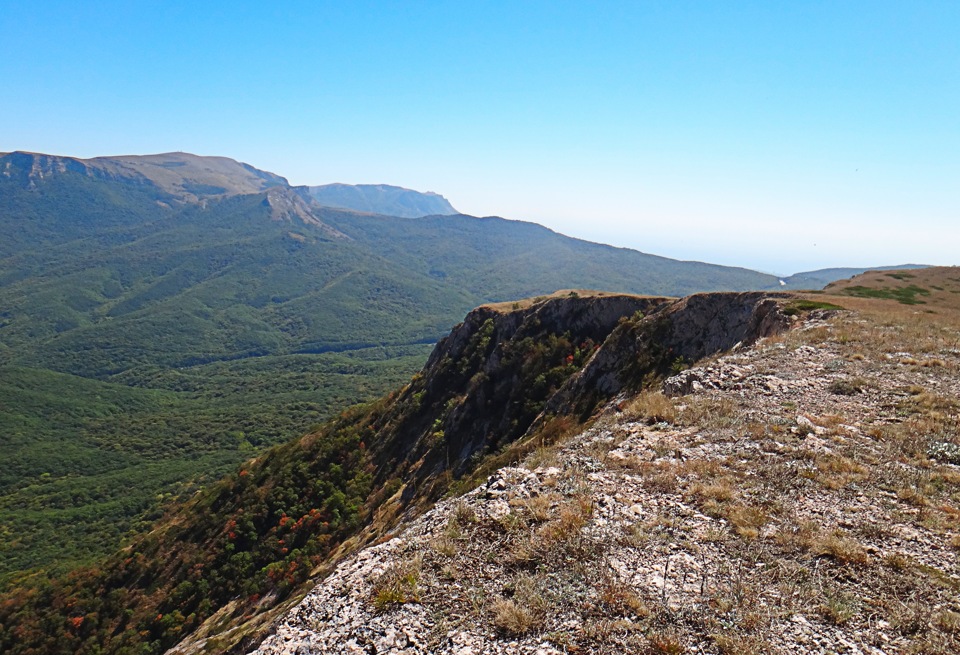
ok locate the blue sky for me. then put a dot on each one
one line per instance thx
(781, 136)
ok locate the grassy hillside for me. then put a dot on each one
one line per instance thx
(824, 276)
(937, 286)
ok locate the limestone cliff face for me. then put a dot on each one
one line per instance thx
(505, 370)
(381, 199)
(488, 381)
(680, 332)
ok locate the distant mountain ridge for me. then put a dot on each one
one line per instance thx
(181, 176)
(382, 199)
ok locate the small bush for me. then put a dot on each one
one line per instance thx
(513, 618)
(396, 586)
(844, 388)
(839, 609)
(843, 549)
(666, 643)
(652, 407)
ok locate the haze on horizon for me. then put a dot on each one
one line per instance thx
(780, 138)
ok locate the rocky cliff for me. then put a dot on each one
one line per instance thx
(796, 495)
(177, 176)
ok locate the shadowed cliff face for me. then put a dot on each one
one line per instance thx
(681, 332)
(487, 381)
(501, 372)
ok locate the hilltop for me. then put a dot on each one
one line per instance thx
(938, 287)
(177, 175)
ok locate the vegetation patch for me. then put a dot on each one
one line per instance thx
(396, 586)
(904, 295)
(796, 307)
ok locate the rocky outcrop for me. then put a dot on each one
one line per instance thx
(506, 371)
(287, 205)
(486, 383)
(673, 335)
(767, 512)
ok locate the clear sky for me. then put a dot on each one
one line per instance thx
(781, 136)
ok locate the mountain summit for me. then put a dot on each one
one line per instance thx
(382, 199)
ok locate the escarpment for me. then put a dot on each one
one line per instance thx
(486, 383)
(797, 495)
(498, 372)
(673, 336)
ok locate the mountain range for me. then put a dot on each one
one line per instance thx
(162, 316)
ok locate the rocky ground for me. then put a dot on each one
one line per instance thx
(800, 496)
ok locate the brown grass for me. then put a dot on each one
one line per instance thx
(397, 585)
(841, 548)
(652, 407)
(512, 618)
(666, 643)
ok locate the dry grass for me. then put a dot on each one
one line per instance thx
(397, 585)
(667, 643)
(559, 535)
(798, 536)
(525, 611)
(659, 477)
(747, 520)
(513, 618)
(652, 407)
(840, 608)
(617, 598)
(540, 508)
(717, 491)
(708, 412)
(737, 644)
(841, 548)
(837, 471)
